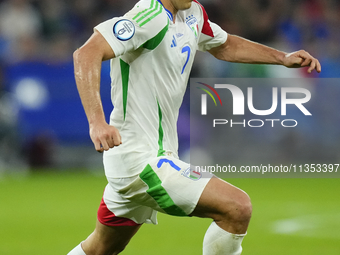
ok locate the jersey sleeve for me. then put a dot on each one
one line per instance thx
(145, 25)
(211, 35)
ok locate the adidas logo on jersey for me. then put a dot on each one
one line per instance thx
(174, 42)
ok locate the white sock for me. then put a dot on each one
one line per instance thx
(220, 242)
(77, 251)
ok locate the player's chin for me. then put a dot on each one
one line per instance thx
(187, 5)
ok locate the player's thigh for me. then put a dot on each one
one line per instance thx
(221, 200)
(172, 186)
(108, 240)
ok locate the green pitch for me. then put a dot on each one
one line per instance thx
(50, 213)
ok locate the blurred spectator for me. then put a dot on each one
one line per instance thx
(19, 19)
(20, 28)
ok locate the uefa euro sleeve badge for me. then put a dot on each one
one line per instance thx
(124, 30)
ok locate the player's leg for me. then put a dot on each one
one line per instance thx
(227, 205)
(108, 240)
(230, 208)
(197, 194)
(113, 230)
(179, 190)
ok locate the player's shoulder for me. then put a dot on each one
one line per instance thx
(148, 14)
(199, 14)
(198, 8)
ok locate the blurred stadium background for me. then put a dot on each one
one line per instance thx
(51, 179)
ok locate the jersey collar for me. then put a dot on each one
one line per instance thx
(171, 17)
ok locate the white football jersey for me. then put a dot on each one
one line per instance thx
(149, 74)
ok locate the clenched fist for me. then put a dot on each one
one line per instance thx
(104, 136)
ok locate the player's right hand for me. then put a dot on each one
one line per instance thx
(104, 136)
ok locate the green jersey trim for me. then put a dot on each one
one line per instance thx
(125, 71)
(148, 14)
(142, 12)
(157, 39)
(157, 192)
(161, 151)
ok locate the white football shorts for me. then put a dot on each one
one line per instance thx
(166, 184)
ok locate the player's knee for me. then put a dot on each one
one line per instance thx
(239, 210)
(242, 209)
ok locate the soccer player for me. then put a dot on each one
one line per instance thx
(152, 48)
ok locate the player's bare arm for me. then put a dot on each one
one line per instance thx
(87, 68)
(239, 50)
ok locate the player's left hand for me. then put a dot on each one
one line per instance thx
(302, 58)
